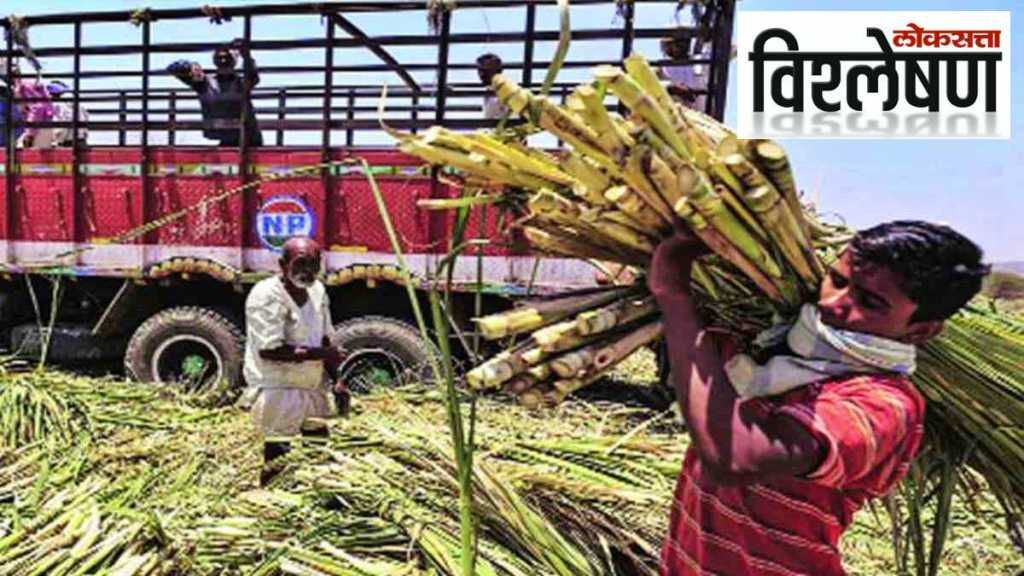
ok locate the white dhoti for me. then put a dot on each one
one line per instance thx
(284, 412)
(285, 395)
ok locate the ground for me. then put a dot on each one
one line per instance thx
(586, 486)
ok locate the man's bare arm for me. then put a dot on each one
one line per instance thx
(731, 447)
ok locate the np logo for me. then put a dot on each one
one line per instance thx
(281, 218)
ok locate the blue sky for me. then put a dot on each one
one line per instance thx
(969, 184)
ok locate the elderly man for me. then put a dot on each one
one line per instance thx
(288, 355)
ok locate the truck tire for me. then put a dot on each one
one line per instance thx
(196, 348)
(69, 344)
(381, 352)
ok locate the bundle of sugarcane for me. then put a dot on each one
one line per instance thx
(624, 183)
(621, 187)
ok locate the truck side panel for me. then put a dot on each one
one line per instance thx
(243, 230)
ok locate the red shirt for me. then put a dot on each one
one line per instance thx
(871, 427)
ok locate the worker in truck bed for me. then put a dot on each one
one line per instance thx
(487, 67)
(223, 94)
(289, 359)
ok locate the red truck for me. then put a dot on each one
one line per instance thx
(139, 247)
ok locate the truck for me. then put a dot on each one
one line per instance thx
(138, 244)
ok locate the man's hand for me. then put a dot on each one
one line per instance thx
(240, 46)
(669, 271)
(333, 357)
(683, 93)
(342, 397)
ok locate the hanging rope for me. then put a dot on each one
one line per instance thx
(435, 13)
(18, 33)
(141, 15)
(215, 14)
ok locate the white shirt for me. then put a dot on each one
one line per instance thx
(493, 108)
(64, 112)
(273, 319)
(693, 76)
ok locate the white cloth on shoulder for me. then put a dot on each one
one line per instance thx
(821, 352)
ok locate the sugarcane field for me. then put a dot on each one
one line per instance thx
(511, 288)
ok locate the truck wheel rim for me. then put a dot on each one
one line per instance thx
(369, 368)
(188, 361)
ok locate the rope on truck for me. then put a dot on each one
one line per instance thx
(162, 221)
(140, 15)
(166, 219)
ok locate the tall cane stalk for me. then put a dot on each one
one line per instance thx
(443, 370)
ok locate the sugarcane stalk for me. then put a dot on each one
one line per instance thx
(722, 246)
(629, 202)
(665, 180)
(772, 159)
(615, 140)
(547, 336)
(640, 70)
(636, 173)
(564, 244)
(519, 384)
(592, 181)
(715, 131)
(613, 315)
(642, 104)
(548, 115)
(620, 218)
(712, 207)
(785, 232)
(629, 343)
(573, 363)
(731, 190)
(499, 151)
(535, 314)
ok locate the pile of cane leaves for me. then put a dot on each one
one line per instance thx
(128, 479)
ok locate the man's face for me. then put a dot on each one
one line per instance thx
(302, 269)
(487, 72)
(673, 49)
(224, 60)
(868, 299)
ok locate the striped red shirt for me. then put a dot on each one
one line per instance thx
(871, 427)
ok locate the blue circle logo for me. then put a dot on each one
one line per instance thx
(281, 218)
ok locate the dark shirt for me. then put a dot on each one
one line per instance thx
(221, 98)
(16, 118)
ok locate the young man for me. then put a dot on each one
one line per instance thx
(288, 352)
(488, 66)
(222, 95)
(782, 455)
(688, 83)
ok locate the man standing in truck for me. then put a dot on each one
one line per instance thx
(488, 66)
(289, 358)
(222, 96)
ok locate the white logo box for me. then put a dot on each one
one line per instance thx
(944, 36)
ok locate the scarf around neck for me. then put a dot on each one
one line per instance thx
(821, 352)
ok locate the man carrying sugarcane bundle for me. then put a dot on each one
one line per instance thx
(288, 355)
(784, 452)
